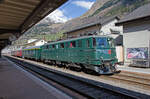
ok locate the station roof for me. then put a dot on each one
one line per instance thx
(142, 12)
(17, 16)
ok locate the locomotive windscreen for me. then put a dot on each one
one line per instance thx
(101, 42)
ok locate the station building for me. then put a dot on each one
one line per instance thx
(136, 37)
(30, 42)
(35, 42)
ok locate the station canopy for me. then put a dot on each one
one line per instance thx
(17, 16)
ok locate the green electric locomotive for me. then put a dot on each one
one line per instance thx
(96, 53)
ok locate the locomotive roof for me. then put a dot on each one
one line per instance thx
(82, 37)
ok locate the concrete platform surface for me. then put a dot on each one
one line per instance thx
(134, 69)
(15, 83)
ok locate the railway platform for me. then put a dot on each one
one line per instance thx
(134, 69)
(16, 83)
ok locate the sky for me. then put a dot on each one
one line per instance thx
(71, 9)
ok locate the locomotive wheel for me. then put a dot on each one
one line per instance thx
(88, 71)
(92, 72)
(44, 61)
(59, 65)
(77, 69)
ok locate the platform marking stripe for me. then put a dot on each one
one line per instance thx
(40, 82)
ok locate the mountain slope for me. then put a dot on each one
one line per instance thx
(98, 4)
(119, 7)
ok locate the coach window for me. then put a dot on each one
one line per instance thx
(50, 46)
(62, 45)
(88, 43)
(56, 46)
(53, 46)
(46, 46)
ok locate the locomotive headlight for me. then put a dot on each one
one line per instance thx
(107, 63)
(101, 59)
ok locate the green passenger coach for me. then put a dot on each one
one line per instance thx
(96, 53)
(33, 52)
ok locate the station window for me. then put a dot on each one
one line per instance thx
(72, 44)
(88, 43)
(94, 42)
(80, 43)
(62, 45)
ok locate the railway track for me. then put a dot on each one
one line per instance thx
(137, 75)
(88, 88)
(139, 80)
(130, 80)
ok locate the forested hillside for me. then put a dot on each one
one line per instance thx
(119, 7)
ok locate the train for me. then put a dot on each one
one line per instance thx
(17, 53)
(90, 53)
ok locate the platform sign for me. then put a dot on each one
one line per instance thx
(137, 53)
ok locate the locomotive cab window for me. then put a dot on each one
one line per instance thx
(111, 42)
